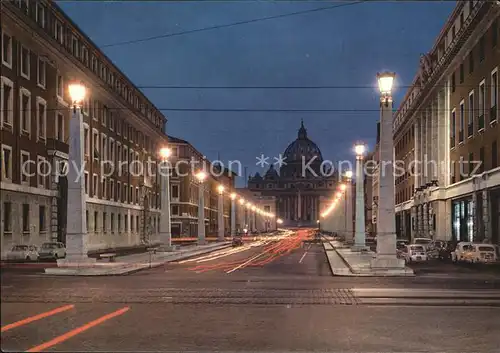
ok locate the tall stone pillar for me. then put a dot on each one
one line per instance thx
(486, 205)
(413, 221)
(474, 212)
(425, 220)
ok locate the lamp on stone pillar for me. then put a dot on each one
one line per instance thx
(386, 258)
(233, 214)
(201, 176)
(254, 218)
(76, 234)
(359, 237)
(249, 216)
(165, 221)
(220, 213)
(242, 214)
(348, 233)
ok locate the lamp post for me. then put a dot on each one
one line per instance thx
(348, 208)
(248, 217)
(165, 221)
(76, 232)
(233, 214)
(201, 176)
(359, 236)
(242, 214)
(220, 213)
(386, 224)
(254, 218)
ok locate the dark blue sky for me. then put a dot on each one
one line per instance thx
(337, 47)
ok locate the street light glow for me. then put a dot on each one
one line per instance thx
(279, 221)
(348, 174)
(77, 92)
(220, 188)
(201, 176)
(242, 201)
(233, 196)
(385, 81)
(165, 152)
(359, 149)
(343, 187)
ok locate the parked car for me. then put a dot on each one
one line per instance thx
(23, 252)
(444, 253)
(52, 250)
(414, 253)
(422, 241)
(434, 247)
(237, 241)
(474, 253)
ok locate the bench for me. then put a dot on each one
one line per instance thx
(110, 256)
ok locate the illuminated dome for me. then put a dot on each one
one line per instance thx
(302, 147)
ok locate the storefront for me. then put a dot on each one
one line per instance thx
(462, 219)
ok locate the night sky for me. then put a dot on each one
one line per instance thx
(339, 47)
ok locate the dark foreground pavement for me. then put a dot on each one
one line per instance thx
(291, 303)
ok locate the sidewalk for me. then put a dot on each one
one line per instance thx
(136, 262)
(345, 262)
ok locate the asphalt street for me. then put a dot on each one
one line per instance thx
(270, 295)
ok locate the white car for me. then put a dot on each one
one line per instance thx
(414, 253)
(23, 252)
(474, 253)
(54, 250)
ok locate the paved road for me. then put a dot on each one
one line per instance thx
(276, 295)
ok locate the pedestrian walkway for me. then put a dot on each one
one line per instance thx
(132, 263)
(345, 262)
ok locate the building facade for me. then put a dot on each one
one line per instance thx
(42, 52)
(447, 134)
(184, 191)
(299, 183)
(247, 219)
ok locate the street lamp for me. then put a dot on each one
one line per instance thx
(201, 176)
(76, 231)
(348, 231)
(165, 221)
(254, 217)
(386, 224)
(233, 214)
(220, 213)
(359, 237)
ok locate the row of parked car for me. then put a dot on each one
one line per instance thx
(424, 249)
(49, 250)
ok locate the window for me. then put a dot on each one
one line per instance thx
(482, 105)
(25, 168)
(494, 95)
(25, 62)
(7, 217)
(104, 147)
(175, 210)
(25, 110)
(41, 117)
(118, 191)
(104, 225)
(40, 15)
(131, 194)
(7, 102)
(60, 127)
(137, 223)
(111, 189)
(60, 86)
(42, 224)
(453, 32)
(96, 110)
(452, 128)
(86, 140)
(461, 19)
(96, 221)
(462, 119)
(112, 150)
(94, 185)
(481, 49)
(26, 218)
(453, 82)
(112, 222)
(494, 155)
(74, 46)
(136, 195)
(95, 144)
(131, 223)
(105, 113)
(461, 73)
(471, 62)
(471, 163)
(6, 50)
(87, 183)
(470, 125)
(125, 220)
(175, 191)
(85, 55)
(103, 188)
(6, 162)
(58, 32)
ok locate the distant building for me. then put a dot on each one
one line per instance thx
(297, 189)
(448, 124)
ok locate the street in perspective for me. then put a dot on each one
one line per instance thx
(162, 185)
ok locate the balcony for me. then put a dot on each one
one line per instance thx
(56, 145)
(493, 114)
(480, 122)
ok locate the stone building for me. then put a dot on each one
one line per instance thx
(447, 133)
(299, 184)
(42, 52)
(184, 191)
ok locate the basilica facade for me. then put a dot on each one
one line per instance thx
(301, 186)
